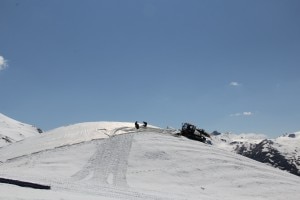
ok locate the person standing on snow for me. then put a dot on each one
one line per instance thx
(145, 124)
(137, 126)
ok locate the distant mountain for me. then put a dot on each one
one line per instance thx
(282, 152)
(12, 131)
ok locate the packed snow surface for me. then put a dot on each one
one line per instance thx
(113, 160)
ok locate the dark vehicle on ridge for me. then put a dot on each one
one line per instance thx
(190, 131)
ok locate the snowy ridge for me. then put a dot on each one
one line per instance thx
(67, 135)
(282, 152)
(12, 131)
(229, 141)
(113, 160)
(289, 144)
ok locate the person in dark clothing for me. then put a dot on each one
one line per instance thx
(145, 124)
(137, 126)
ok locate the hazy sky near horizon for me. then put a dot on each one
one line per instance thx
(223, 65)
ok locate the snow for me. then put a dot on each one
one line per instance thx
(288, 143)
(113, 160)
(13, 131)
(229, 141)
(289, 147)
(68, 135)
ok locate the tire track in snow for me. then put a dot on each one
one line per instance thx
(108, 165)
(113, 163)
(105, 172)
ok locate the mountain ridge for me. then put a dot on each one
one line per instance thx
(282, 152)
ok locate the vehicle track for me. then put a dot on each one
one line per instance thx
(108, 165)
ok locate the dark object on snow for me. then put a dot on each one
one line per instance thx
(292, 135)
(190, 131)
(145, 124)
(137, 126)
(7, 139)
(24, 184)
(39, 130)
(202, 132)
(216, 133)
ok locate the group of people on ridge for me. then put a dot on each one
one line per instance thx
(137, 126)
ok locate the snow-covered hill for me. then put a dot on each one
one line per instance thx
(12, 131)
(282, 152)
(113, 160)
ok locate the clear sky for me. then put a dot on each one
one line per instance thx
(223, 65)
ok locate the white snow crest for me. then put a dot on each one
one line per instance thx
(12, 131)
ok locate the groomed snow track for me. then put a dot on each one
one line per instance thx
(108, 165)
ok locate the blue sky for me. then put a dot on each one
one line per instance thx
(223, 65)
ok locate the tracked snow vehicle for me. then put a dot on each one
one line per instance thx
(190, 131)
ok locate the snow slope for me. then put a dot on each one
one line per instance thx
(282, 152)
(289, 144)
(229, 141)
(284, 149)
(12, 131)
(113, 160)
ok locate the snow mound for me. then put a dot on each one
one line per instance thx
(67, 135)
(113, 160)
(12, 131)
